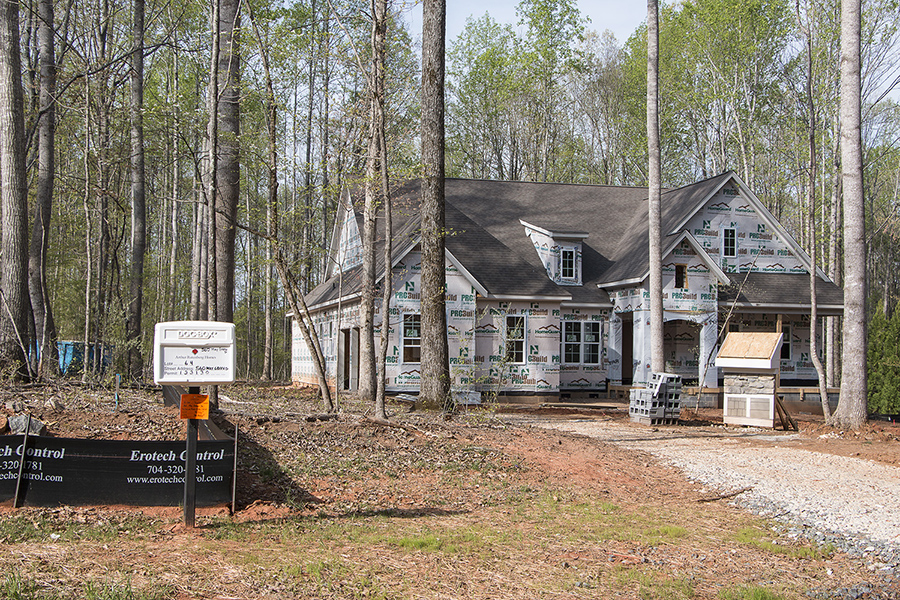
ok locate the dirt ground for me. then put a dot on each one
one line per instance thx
(466, 507)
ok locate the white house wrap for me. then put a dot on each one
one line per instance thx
(547, 287)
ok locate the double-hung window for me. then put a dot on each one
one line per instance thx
(581, 344)
(515, 339)
(412, 338)
(729, 242)
(572, 345)
(567, 264)
(591, 351)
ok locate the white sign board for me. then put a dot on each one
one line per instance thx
(193, 353)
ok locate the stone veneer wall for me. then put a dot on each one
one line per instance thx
(763, 384)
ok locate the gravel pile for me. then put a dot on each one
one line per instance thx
(849, 502)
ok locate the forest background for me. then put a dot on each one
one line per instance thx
(550, 98)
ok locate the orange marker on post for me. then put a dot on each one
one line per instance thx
(195, 406)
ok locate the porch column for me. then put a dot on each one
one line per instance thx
(614, 350)
(642, 347)
(708, 335)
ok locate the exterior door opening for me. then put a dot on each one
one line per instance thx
(627, 349)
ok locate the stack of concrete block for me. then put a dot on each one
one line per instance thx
(659, 403)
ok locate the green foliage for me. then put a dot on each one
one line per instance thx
(16, 587)
(722, 84)
(124, 591)
(884, 362)
(656, 586)
(748, 592)
(761, 539)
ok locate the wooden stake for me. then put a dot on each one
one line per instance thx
(779, 404)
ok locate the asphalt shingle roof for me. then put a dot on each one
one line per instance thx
(485, 234)
(778, 289)
(631, 256)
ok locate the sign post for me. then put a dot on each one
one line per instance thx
(193, 353)
(190, 460)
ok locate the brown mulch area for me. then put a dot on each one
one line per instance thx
(471, 473)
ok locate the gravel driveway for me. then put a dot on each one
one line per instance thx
(851, 502)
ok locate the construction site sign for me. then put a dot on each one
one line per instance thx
(48, 471)
(193, 353)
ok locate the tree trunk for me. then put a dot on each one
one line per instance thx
(435, 382)
(228, 174)
(212, 199)
(96, 332)
(198, 262)
(272, 203)
(379, 30)
(86, 204)
(196, 251)
(176, 185)
(268, 345)
(851, 410)
(834, 270)
(308, 220)
(657, 357)
(211, 244)
(14, 304)
(44, 326)
(138, 198)
(326, 149)
(811, 224)
(367, 368)
(301, 313)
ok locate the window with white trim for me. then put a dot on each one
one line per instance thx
(581, 342)
(515, 338)
(567, 264)
(590, 354)
(572, 343)
(412, 338)
(729, 242)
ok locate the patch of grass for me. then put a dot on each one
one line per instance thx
(607, 508)
(585, 518)
(672, 589)
(123, 591)
(334, 577)
(758, 538)
(30, 528)
(15, 587)
(270, 472)
(748, 592)
(655, 586)
(656, 535)
(427, 542)
(447, 542)
(303, 531)
(226, 529)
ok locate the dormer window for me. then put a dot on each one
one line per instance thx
(560, 252)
